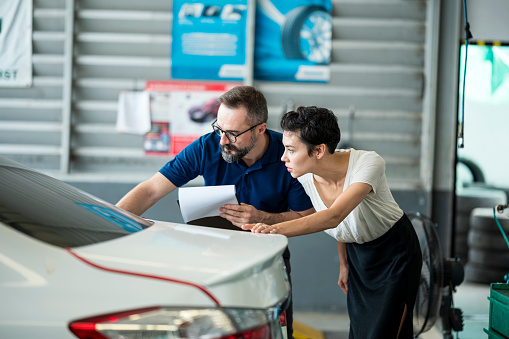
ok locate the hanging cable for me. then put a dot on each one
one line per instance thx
(468, 35)
(500, 209)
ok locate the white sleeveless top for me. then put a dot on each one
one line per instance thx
(376, 214)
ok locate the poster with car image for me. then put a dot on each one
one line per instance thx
(293, 40)
(181, 112)
(209, 39)
(193, 114)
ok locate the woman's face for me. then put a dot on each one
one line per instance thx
(296, 157)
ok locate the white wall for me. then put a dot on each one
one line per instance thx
(488, 19)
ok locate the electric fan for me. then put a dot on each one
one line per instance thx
(439, 277)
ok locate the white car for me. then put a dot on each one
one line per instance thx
(74, 266)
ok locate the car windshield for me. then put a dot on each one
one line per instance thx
(52, 211)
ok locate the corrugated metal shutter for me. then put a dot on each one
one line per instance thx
(65, 123)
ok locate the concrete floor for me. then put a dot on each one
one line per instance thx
(471, 298)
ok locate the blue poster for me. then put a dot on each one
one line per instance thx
(293, 40)
(209, 39)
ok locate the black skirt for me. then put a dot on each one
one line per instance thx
(383, 277)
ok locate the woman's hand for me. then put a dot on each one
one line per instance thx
(343, 278)
(260, 228)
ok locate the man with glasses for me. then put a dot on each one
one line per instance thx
(240, 151)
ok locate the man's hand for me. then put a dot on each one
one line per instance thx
(246, 214)
(241, 214)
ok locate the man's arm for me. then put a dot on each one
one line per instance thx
(247, 214)
(146, 194)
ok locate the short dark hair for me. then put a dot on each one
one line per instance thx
(315, 126)
(251, 99)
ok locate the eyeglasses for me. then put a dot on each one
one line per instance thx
(229, 135)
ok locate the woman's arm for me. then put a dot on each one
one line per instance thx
(318, 221)
(343, 267)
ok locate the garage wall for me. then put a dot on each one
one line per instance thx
(87, 51)
(443, 195)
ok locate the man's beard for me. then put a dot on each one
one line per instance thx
(239, 152)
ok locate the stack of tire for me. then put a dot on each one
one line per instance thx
(468, 198)
(488, 250)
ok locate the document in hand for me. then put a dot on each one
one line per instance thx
(200, 205)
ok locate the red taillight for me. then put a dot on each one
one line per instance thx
(86, 328)
(86, 331)
(262, 332)
(258, 333)
(282, 318)
(162, 322)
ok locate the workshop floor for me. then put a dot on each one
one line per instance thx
(471, 298)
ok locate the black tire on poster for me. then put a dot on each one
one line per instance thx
(291, 31)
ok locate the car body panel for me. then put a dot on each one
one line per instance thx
(44, 287)
(213, 258)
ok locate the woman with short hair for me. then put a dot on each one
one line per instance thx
(379, 252)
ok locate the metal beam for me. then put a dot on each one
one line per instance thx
(65, 150)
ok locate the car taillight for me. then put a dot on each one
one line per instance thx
(282, 318)
(161, 322)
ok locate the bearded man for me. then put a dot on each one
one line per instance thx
(240, 151)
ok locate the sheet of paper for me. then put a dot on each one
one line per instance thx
(200, 202)
(133, 115)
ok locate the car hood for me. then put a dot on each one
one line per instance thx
(199, 255)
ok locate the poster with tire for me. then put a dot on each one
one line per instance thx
(209, 39)
(293, 40)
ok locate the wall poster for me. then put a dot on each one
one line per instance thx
(16, 43)
(181, 112)
(293, 40)
(209, 39)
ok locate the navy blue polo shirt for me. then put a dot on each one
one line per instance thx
(266, 184)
